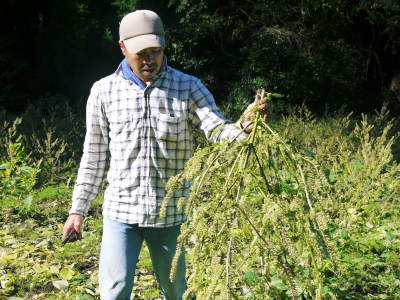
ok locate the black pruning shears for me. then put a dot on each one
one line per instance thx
(72, 236)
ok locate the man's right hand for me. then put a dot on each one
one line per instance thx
(74, 221)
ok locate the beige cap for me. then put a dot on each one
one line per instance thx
(141, 29)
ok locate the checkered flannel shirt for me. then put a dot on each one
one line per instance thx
(145, 133)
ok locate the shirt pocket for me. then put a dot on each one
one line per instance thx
(169, 128)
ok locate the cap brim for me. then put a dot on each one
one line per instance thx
(138, 43)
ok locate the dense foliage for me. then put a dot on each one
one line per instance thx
(258, 226)
(337, 52)
(322, 53)
(38, 164)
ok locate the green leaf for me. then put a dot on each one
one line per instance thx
(60, 284)
(38, 268)
(251, 278)
(330, 176)
(6, 281)
(4, 166)
(53, 270)
(67, 273)
(356, 165)
(345, 234)
(275, 95)
(28, 200)
(310, 153)
(277, 283)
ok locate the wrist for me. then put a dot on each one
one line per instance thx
(77, 214)
(246, 127)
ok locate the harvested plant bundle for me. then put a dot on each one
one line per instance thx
(260, 214)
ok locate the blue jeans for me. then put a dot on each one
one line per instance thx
(120, 248)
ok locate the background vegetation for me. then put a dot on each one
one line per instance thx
(322, 53)
(336, 62)
(262, 239)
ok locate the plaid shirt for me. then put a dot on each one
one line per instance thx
(146, 134)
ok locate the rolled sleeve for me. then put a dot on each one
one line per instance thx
(207, 116)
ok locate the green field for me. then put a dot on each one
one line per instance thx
(242, 242)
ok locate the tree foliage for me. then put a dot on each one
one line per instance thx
(318, 52)
(322, 53)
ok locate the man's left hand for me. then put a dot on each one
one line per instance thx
(259, 105)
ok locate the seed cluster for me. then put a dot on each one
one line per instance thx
(258, 219)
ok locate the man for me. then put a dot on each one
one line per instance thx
(139, 118)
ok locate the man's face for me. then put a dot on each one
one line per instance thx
(145, 64)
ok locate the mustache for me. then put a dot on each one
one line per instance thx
(148, 67)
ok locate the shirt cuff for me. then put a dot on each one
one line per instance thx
(79, 207)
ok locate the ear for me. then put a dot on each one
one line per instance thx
(122, 47)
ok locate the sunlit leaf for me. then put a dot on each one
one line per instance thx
(251, 278)
(39, 268)
(6, 281)
(277, 283)
(60, 284)
(4, 166)
(67, 273)
(54, 270)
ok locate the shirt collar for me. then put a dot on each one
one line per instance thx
(130, 75)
